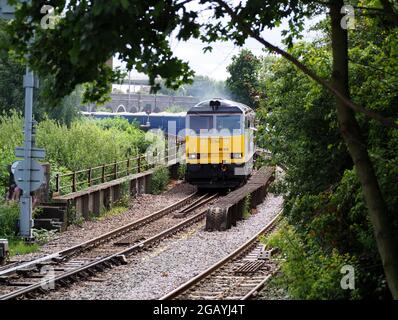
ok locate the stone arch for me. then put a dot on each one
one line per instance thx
(147, 108)
(133, 109)
(119, 107)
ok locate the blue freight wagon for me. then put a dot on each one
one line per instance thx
(161, 120)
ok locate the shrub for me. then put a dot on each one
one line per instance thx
(246, 207)
(182, 168)
(9, 215)
(85, 143)
(307, 271)
(124, 196)
(160, 179)
(11, 136)
(42, 236)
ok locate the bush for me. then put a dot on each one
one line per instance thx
(160, 179)
(85, 143)
(182, 168)
(11, 136)
(42, 236)
(307, 271)
(246, 207)
(124, 196)
(9, 215)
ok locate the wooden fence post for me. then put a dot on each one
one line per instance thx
(89, 177)
(103, 174)
(57, 183)
(74, 181)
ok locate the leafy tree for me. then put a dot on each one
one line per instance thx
(323, 195)
(11, 90)
(243, 80)
(66, 111)
(90, 32)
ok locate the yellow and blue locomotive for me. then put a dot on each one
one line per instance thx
(219, 143)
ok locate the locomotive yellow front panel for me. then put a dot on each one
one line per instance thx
(215, 149)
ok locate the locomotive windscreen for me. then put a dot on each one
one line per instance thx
(232, 123)
(198, 123)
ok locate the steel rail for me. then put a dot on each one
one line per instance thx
(100, 239)
(106, 262)
(238, 252)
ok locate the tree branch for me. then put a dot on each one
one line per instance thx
(372, 67)
(328, 3)
(389, 10)
(244, 27)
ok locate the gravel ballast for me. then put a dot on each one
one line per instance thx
(152, 274)
(139, 206)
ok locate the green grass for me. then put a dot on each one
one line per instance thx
(18, 247)
(112, 212)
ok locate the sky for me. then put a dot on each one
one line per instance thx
(214, 64)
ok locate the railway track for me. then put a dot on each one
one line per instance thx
(84, 260)
(239, 276)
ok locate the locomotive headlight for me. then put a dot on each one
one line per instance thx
(236, 155)
(192, 156)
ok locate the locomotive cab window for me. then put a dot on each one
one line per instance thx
(230, 122)
(198, 123)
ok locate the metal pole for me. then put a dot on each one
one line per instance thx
(128, 103)
(25, 219)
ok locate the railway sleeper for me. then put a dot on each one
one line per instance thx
(84, 274)
(90, 272)
(42, 290)
(73, 278)
(110, 263)
(63, 282)
(5, 279)
(201, 293)
(29, 295)
(24, 272)
(20, 284)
